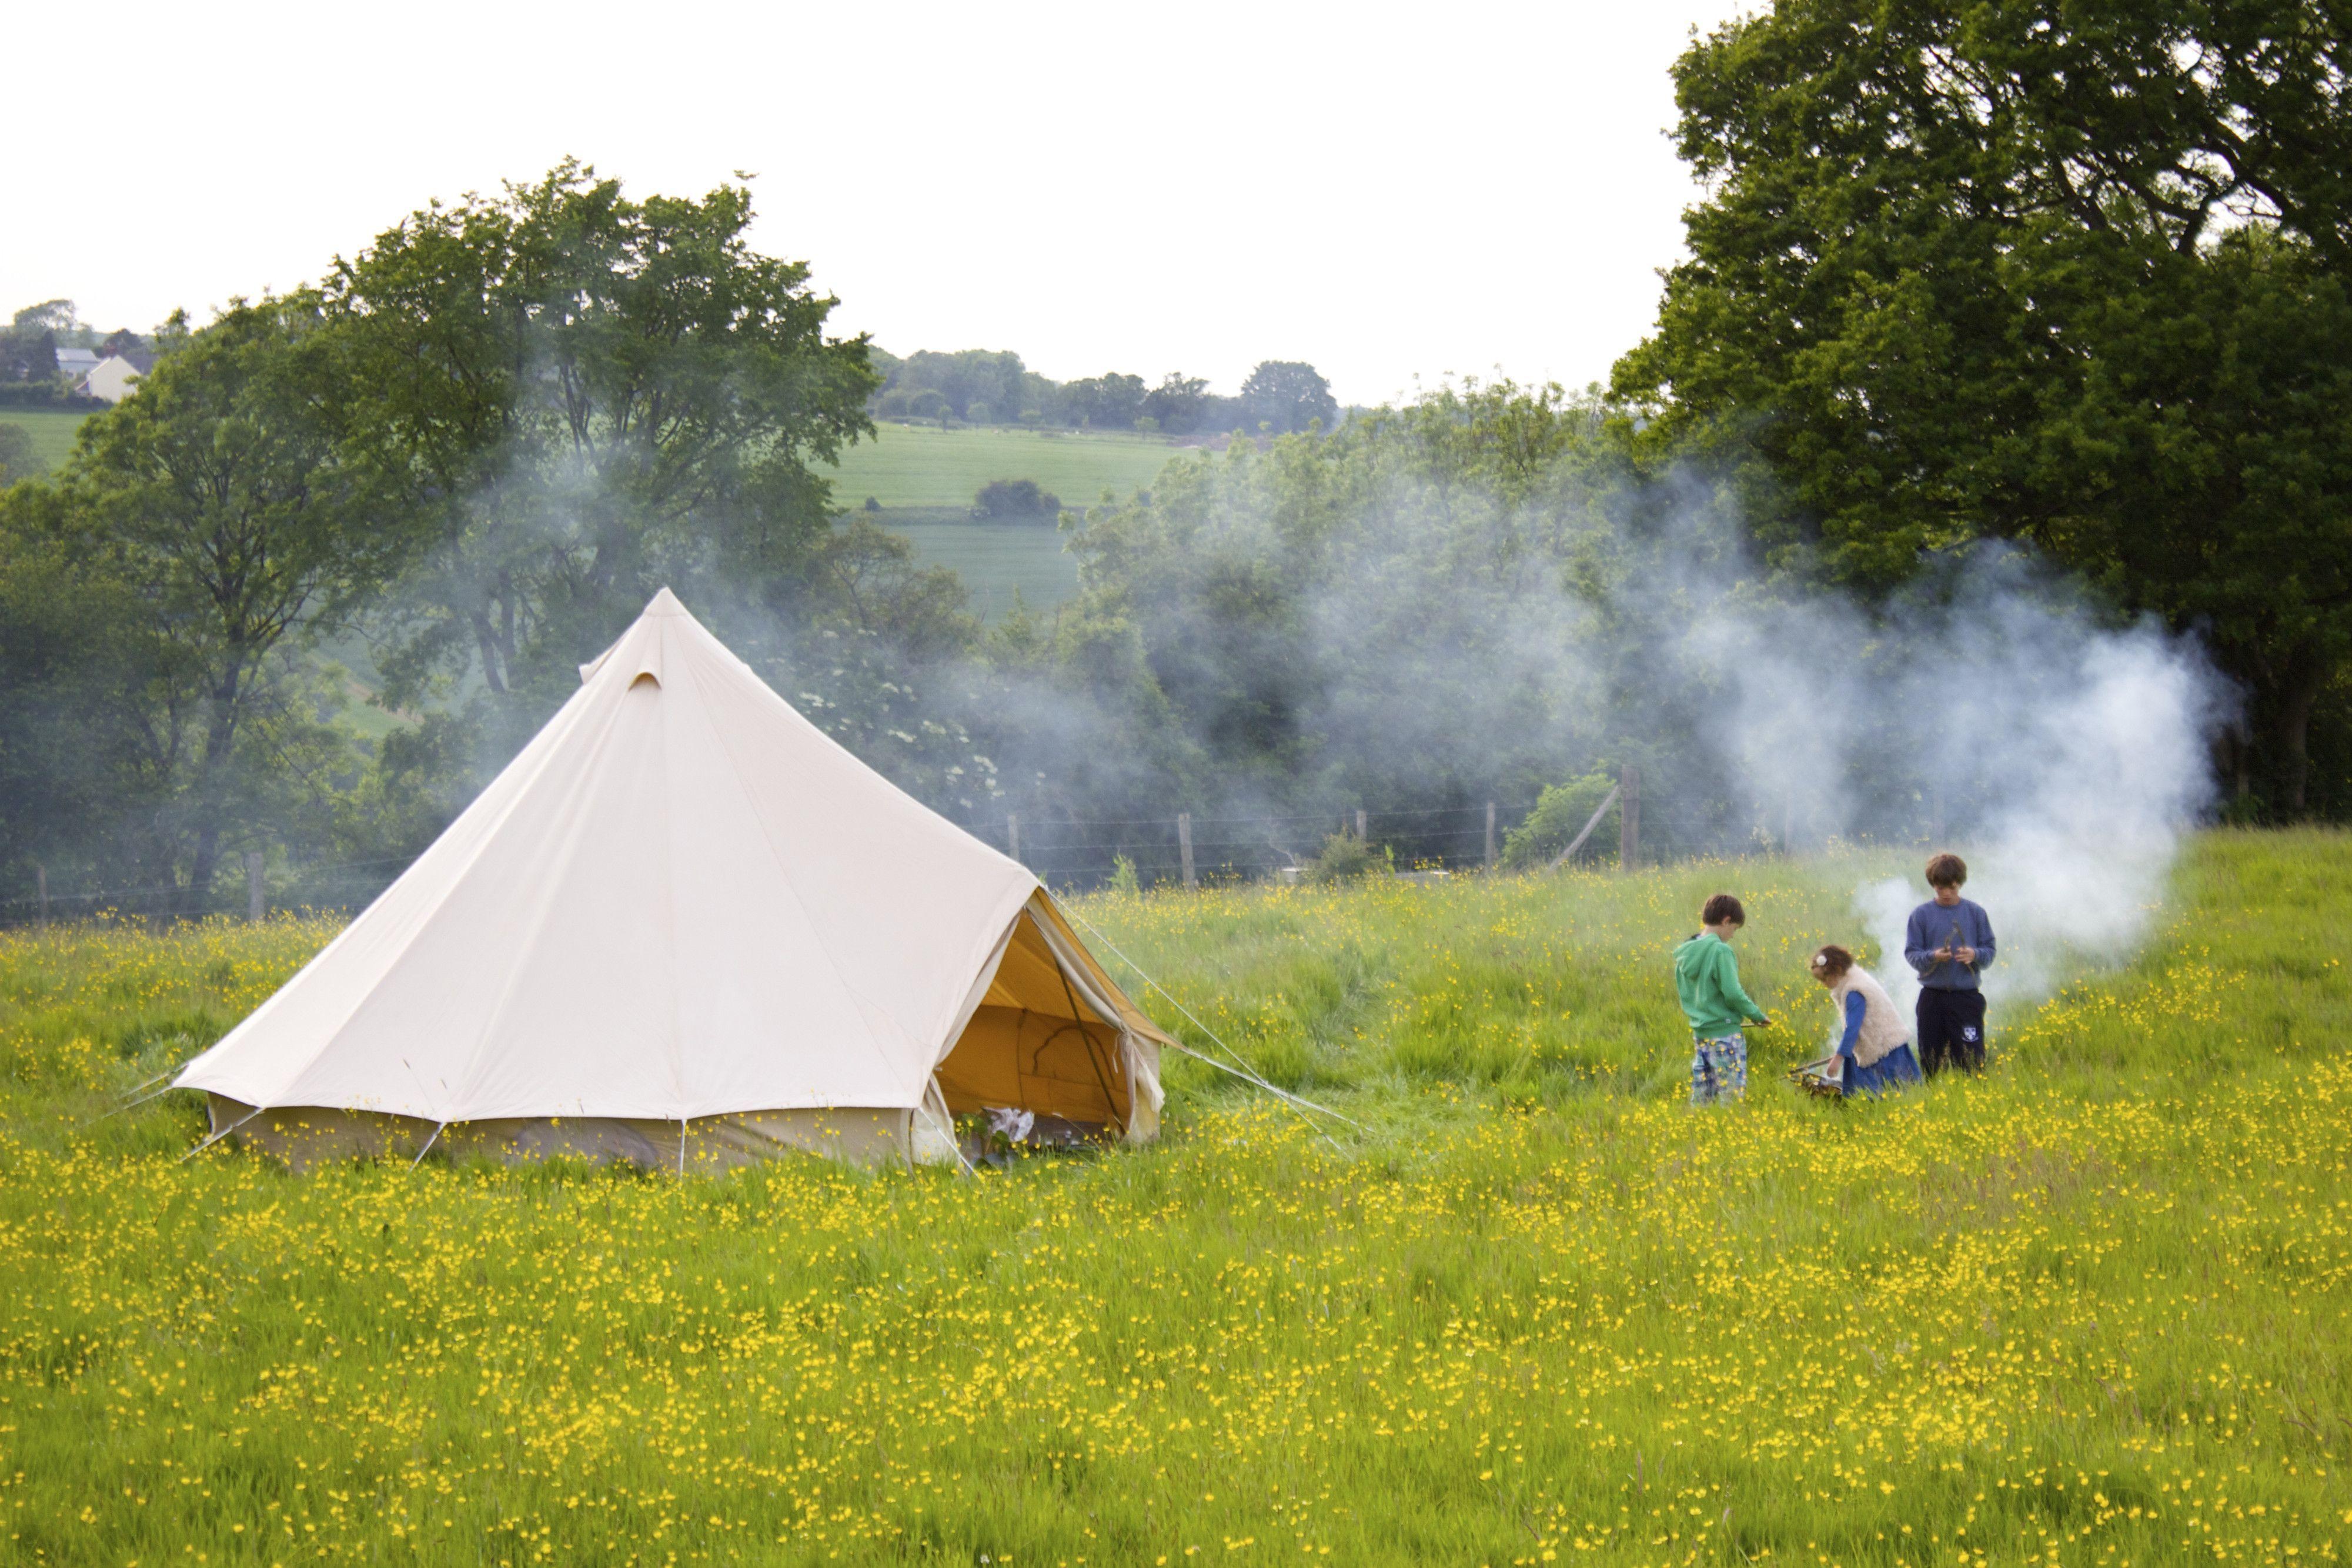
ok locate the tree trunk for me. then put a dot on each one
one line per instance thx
(2307, 673)
(212, 768)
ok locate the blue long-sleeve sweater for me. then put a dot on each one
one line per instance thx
(1964, 924)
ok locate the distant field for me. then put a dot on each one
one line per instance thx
(922, 465)
(52, 430)
(994, 560)
(924, 479)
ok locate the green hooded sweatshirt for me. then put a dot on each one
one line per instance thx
(1706, 977)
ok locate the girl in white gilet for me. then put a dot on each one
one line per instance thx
(1873, 1046)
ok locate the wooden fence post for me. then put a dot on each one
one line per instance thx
(41, 880)
(1012, 832)
(1361, 833)
(1490, 835)
(1629, 817)
(253, 901)
(1184, 845)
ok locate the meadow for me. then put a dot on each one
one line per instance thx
(2089, 1309)
(52, 430)
(924, 466)
(924, 479)
(1000, 564)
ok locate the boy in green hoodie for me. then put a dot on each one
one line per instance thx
(1706, 977)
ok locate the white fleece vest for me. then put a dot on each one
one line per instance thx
(1882, 1026)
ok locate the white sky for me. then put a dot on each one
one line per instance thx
(1387, 192)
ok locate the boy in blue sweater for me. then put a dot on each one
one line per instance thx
(1950, 943)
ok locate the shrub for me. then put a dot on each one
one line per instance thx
(978, 412)
(872, 505)
(927, 404)
(1560, 813)
(1015, 499)
(1346, 857)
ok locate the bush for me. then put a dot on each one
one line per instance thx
(872, 505)
(1560, 813)
(1346, 857)
(978, 413)
(1122, 875)
(50, 393)
(1015, 500)
(927, 404)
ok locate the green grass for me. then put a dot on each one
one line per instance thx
(923, 465)
(998, 560)
(2090, 1309)
(52, 430)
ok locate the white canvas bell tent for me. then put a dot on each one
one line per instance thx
(684, 926)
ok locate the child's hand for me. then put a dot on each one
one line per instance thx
(1763, 1023)
(1968, 956)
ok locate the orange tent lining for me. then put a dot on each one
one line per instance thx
(1033, 1043)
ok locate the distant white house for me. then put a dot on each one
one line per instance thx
(75, 363)
(111, 378)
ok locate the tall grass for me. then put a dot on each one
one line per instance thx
(2090, 1309)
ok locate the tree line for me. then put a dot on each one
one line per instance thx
(1946, 301)
(983, 386)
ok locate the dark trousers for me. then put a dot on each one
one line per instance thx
(1951, 1030)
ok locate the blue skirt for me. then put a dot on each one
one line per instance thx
(1890, 1071)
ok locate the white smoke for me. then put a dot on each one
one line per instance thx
(2086, 752)
(1404, 642)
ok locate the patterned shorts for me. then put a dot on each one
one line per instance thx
(1719, 1069)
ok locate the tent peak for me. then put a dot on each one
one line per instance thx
(664, 604)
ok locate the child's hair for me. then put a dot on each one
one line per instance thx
(1832, 961)
(1946, 870)
(1720, 908)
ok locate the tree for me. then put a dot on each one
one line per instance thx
(88, 707)
(1108, 402)
(1017, 501)
(28, 354)
(1178, 403)
(48, 316)
(2016, 269)
(124, 343)
(993, 378)
(582, 397)
(220, 495)
(1286, 395)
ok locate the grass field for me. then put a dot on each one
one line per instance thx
(52, 430)
(997, 561)
(923, 465)
(925, 478)
(2090, 1309)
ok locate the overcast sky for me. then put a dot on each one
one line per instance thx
(1389, 192)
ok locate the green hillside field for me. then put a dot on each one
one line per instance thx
(924, 480)
(52, 430)
(921, 465)
(2090, 1309)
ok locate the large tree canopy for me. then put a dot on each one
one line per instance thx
(2075, 274)
(586, 397)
